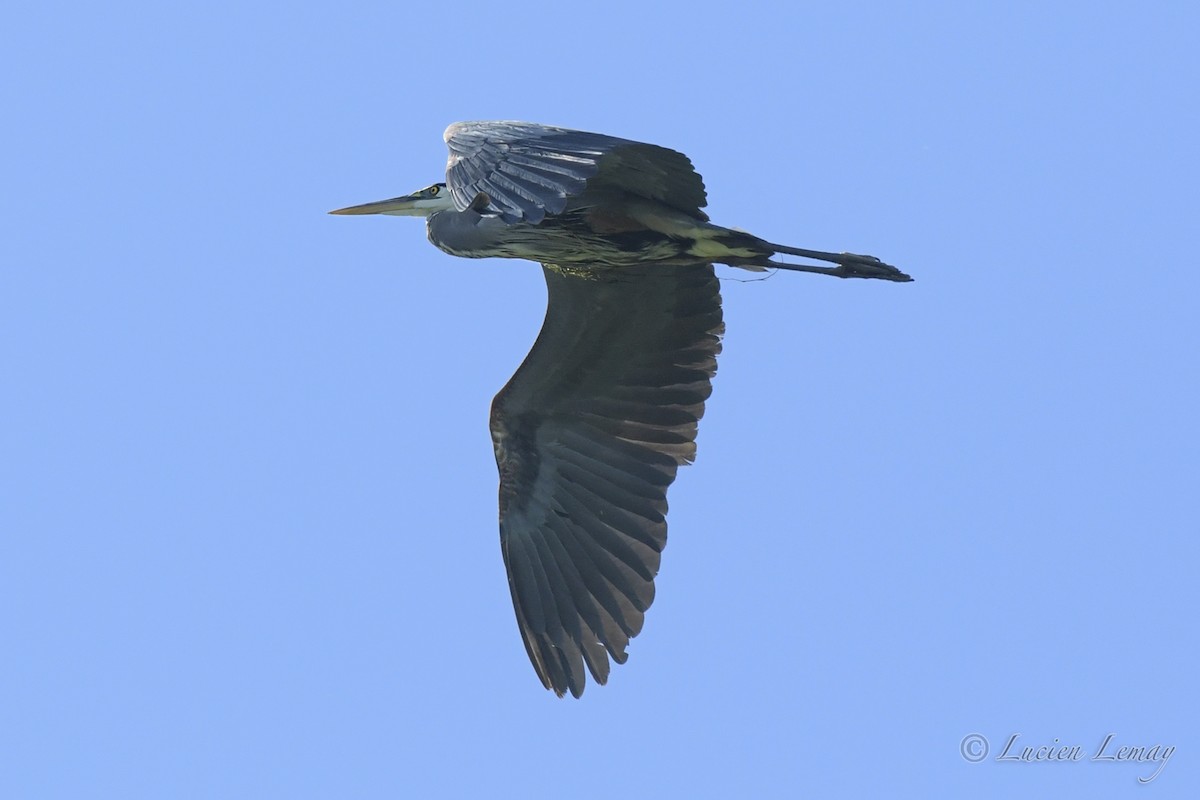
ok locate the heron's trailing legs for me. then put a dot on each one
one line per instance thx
(849, 265)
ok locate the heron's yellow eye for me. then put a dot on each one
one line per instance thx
(433, 190)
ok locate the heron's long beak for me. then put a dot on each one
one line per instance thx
(411, 205)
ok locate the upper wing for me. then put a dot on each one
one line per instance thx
(530, 170)
(589, 434)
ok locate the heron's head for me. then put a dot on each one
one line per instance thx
(418, 204)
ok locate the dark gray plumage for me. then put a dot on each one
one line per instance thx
(589, 434)
(591, 430)
(530, 170)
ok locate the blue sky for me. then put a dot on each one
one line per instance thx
(248, 542)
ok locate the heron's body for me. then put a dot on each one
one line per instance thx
(596, 230)
(592, 428)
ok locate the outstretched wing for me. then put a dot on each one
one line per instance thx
(589, 434)
(530, 170)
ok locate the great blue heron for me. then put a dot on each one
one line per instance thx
(592, 428)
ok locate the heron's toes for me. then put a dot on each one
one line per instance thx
(853, 265)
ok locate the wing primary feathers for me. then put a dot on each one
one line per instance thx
(589, 435)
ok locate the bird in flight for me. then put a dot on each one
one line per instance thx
(592, 428)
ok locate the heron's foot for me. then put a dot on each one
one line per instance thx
(852, 265)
